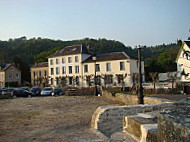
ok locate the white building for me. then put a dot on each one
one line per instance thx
(183, 63)
(75, 66)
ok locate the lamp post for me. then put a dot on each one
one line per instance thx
(95, 82)
(140, 92)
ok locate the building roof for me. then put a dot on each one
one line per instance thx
(42, 64)
(188, 43)
(5, 67)
(71, 50)
(108, 57)
(181, 49)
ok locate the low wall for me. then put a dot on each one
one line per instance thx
(174, 124)
(109, 119)
(133, 99)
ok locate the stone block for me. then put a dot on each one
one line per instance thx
(133, 125)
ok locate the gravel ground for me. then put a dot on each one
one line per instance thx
(171, 97)
(53, 119)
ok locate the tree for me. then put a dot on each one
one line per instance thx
(173, 76)
(122, 77)
(154, 76)
(24, 67)
(166, 61)
(88, 79)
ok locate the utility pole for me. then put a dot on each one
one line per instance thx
(140, 92)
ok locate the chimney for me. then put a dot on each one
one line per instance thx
(89, 48)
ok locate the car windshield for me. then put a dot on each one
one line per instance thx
(34, 89)
(57, 90)
(10, 90)
(47, 89)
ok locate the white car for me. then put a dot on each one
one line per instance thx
(47, 91)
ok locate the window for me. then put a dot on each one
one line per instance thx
(88, 80)
(97, 67)
(119, 79)
(122, 67)
(70, 80)
(17, 75)
(52, 71)
(98, 80)
(51, 62)
(76, 58)
(76, 69)
(63, 60)
(45, 73)
(77, 80)
(108, 66)
(35, 82)
(85, 68)
(64, 70)
(57, 81)
(40, 73)
(70, 69)
(57, 61)
(34, 74)
(57, 70)
(10, 76)
(109, 79)
(51, 81)
(11, 68)
(69, 59)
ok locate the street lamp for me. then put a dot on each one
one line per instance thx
(95, 82)
(140, 92)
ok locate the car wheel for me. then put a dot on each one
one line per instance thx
(29, 96)
(14, 96)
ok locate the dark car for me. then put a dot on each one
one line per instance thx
(47, 91)
(21, 93)
(9, 91)
(35, 91)
(57, 92)
(25, 88)
(2, 91)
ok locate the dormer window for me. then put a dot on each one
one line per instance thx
(74, 49)
(11, 68)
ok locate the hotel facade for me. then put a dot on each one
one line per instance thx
(77, 66)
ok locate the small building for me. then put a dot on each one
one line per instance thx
(77, 66)
(40, 74)
(183, 65)
(10, 76)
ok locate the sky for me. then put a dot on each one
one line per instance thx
(132, 22)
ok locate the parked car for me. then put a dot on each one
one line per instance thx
(35, 91)
(21, 93)
(9, 91)
(2, 91)
(57, 92)
(25, 88)
(47, 91)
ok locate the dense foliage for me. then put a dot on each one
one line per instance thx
(159, 58)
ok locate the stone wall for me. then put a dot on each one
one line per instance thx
(109, 119)
(174, 124)
(133, 99)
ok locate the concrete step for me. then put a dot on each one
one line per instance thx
(142, 127)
